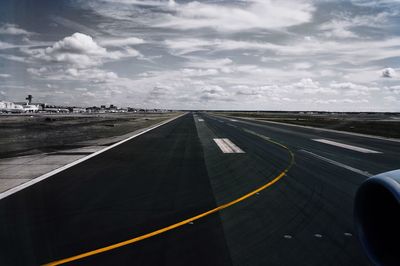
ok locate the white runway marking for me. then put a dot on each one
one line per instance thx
(364, 173)
(232, 125)
(227, 146)
(346, 146)
(201, 120)
(233, 120)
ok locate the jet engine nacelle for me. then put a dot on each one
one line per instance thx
(377, 217)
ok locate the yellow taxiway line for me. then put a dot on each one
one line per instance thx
(181, 223)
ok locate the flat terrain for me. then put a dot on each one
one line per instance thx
(38, 133)
(177, 171)
(379, 124)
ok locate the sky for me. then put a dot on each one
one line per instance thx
(240, 55)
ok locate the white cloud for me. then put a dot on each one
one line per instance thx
(340, 101)
(342, 26)
(352, 89)
(388, 73)
(5, 76)
(333, 52)
(309, 86)
(81, 51)
(394, 89)
(199, 72)
(78, 43)
(121, 42)
(262, 14)
(215, 93)
(80, 89)
(89, 94)
(302, 65)
(338, 28)
(376, 3)
(92, 74)
(4, 45)
(12, 29)
(390, 99)
(188, 45)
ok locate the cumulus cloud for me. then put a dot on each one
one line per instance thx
(388, 73)
(309, 86)
(5, 76)
(77, 43)
(80, 50)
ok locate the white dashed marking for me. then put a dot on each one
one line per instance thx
(227, 146)
(355, 170)
(346, 146)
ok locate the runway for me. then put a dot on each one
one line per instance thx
(187, 167)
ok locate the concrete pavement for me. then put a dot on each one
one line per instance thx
(177, 171)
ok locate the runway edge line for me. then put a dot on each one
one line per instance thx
(65, 167)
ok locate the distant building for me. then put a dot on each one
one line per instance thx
(10, 107)
(93, 109)
(31, 108)
(55, 109)
(77, 110)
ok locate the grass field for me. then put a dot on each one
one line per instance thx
(30, 134)
(379, 124)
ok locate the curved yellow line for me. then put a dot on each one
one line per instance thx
(173, 226)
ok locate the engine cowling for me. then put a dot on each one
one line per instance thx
(377, 217)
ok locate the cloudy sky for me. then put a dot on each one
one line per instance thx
(246, 54)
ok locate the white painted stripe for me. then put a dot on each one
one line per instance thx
(233, 120)
(200, 120)
(232, 125)
(361, 172)
(227, 146)
(235, 148)
(346, 146)
(65, 167)
(223, 146)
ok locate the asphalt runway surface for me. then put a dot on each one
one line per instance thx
(177, 171)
